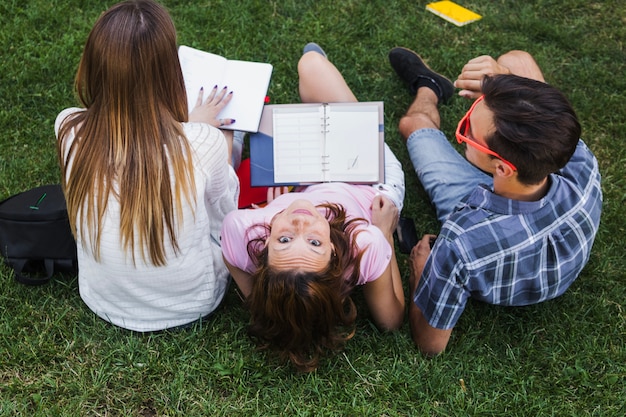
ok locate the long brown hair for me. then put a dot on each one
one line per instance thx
(300, 315)
(129, 137)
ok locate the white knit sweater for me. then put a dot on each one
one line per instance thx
(143, 297)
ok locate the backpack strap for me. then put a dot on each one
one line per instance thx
(18, 266)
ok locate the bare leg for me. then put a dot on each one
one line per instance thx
(321, 82)
(422, 113)
(521, 63)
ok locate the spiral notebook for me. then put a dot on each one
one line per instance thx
(321, 142)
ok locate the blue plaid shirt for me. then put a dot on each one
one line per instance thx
(513, 253)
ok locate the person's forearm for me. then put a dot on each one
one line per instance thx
(385, 297)
(228, 136)
(242, 279)
(431, 341)
(396, 277)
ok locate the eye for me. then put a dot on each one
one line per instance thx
(284, 239)
(315, 242)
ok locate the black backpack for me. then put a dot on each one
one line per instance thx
(35, 236)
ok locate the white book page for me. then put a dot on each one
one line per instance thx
(298, 144)
(353, 143)
(200, 69)
(247, 80)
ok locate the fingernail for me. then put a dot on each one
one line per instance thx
(201, 88)
(215, 87)
(225, 87)
(230, 93)
(232, 120)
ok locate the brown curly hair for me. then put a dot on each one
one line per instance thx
(301, 315)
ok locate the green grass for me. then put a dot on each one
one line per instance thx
(565, 357)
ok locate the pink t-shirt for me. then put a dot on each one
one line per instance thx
(356, 200)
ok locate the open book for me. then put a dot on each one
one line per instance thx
(247, 80)
(321, 142)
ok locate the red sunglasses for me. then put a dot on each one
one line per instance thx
(461, 135)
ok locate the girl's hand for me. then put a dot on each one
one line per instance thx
(274, 192)
(206, 111)
(384, 215)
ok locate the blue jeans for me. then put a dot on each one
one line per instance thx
(445, 174)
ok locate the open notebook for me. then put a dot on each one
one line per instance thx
(320, 142)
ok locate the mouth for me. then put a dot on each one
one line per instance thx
(302, 211)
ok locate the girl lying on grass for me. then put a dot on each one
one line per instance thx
(297, 260)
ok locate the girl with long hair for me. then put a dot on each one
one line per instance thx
(147, 182)
(297, 260)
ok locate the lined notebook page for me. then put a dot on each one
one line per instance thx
(298, 144)
(353, 142)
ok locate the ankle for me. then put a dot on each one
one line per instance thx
(427, 94)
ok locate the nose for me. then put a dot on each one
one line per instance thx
(300, 221)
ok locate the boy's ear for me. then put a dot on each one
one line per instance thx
(502, 169)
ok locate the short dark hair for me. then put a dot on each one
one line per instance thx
(536, 127)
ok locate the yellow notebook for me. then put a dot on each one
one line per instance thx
(453, 13)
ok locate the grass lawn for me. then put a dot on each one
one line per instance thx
(565, 357)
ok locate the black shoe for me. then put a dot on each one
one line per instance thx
(412, 69)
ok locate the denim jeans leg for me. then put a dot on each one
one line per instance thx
(445, 174)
